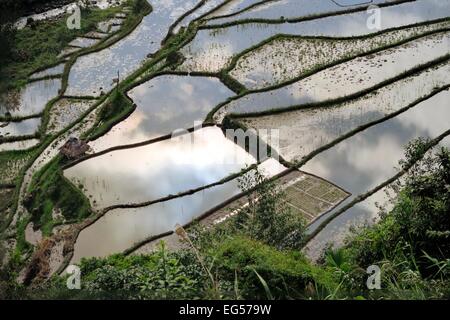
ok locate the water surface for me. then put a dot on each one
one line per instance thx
(121, 228)
(20, 128)
(164, 104)
(211, 50)
(295, 9)
(159, 169)
(345, 79)
(94, 73)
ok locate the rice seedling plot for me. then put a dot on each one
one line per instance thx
(213, 49)
(305, 130)
(345, 79)
(19, 128)
(286, 9)
(186, 162)
(65, 112)
(94, 73)
(285, 58)
(369, 158)
(311, 196)
(119, 229)
(30, 100)
(345, 98)
(159, 111)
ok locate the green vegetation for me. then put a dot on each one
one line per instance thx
(255, 254)
(114, 110)
(411, 243)
(139, 6)
(50, 190)
(37, 46)
(12, 162)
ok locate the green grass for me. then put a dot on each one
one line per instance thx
(50, 190)
(13, 161)
(22, 246)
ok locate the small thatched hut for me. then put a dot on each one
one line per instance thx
(74, 148)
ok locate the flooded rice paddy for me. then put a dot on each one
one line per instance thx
(365, 212)
(367, 97)
(305, 130)
(120, 229)
(175, 165)
(370, 157)
(19, 128)
(160, 113)
(345, 79)
(286, 9)
(212, 49)
(65, 112)
(285, 58)
(18, 145)
(30, 100)
(52, 71)
(93, 73)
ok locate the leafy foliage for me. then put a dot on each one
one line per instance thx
(411, 242)
(50, 191)
(267, 217)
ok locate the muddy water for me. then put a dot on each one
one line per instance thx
(20, 128)
(296, 8)
(211, 50)
(94, 73)
(156, 170)
(31, 99)
(121, 228)
(161, 111)
(345, 79)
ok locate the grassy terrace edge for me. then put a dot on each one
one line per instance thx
(319, 67)
(300, 19)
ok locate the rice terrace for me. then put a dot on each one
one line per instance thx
(225, 149)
